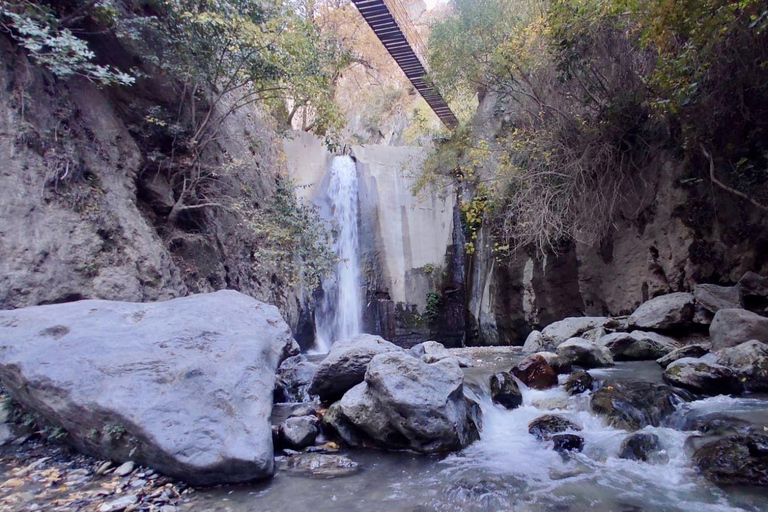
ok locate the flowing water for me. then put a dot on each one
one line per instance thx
(509, 470)
(339, 312)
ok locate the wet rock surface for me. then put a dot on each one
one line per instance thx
(544, 427)
(749, 361)
(345, 365)
(702, 375)
(578, 382)
(634, 405)
(567, 443)
(319, 465)
(190, 398)
(584, 353)
(505, 391)
(535, 372)
(299, 432)
(642, 446)
(294, 377)
(558, 365)
(735, 460)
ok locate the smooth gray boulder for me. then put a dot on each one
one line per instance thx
(299, 432)
(434, 351)
(749, 361)
(732, 327)
(752, 284)
(584, 353)
(702, 375)
(713, 298)
(405, 403)
(558, 332)
(638, 345)
(294, 377)
(184, 386)
(696, 350)
(664, 312)
(345, 365)
(535, 342)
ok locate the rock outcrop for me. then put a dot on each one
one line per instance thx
(731, 327)
(345, 365)
(183, 386)
(405, 403)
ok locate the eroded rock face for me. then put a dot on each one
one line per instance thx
(505, 391)
(584, 353)
(345, 365)
(186, 383)
(702, 375)
(731, 327)
(407, 403)
(535, 372)
(638, 345)
(750, 363)
(664, 312)
(634, 405)
(735, 460)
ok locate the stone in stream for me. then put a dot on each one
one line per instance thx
(294, 377)
(735, 460)
(567, 443)
(345, 365)
(702, 375)
(318, 465)
(638, 345)
(578, 382)
(664, 312)
(535, 372)
(505, 391)
(125, 469)
(407, 403)
(433, 351)
(634, 405)
(749, 361)
(535, 342)
(559, 366)
(299, 432)
(558, 332)
(119, 504)
(643, 446)
(584, 353)
(732, 327)
(696, 350)
(545, 426)
(183, 386)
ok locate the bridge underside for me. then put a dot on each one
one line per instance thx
(392, 33)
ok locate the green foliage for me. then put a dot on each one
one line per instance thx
(432, 308)
(292, 242)
(53, 45)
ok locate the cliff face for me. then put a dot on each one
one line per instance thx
(84, 216)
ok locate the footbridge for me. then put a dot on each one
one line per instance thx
(393, 26)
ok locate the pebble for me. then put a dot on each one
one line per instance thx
(125, 469)
(104, 467)
(119, 504)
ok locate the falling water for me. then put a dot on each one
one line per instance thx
(340, 309)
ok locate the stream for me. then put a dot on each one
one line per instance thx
(509, 469)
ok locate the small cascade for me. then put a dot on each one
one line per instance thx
(339, 312)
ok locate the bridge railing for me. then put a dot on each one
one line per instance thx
(403, 19)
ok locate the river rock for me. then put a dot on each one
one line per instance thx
(696, 350)
(567, 443)
(183, 386)
(713, 298)
(578, 382)
(345, 365)
(294, 378)
(545, 426)
(731, 327)
(535, 372)
(702, 375)
(559, 366)
(299, 432)
(433, 351)
(750, 363)
(505, 391)
(319, 465)
(535, 342)
(634, 405)
(642, 446)
(735, 460)
(584, 353)
(563, 330)
(638, 345)
(407, 403)
(664, 312)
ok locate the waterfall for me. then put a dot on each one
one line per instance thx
(339, 311)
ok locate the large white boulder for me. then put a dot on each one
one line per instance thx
(183, 386)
